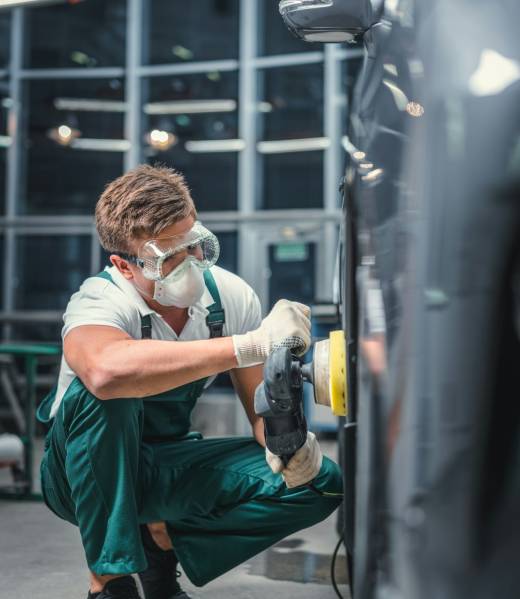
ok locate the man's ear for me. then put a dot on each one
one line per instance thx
(122, 266)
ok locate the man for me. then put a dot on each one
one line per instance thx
(141, 341)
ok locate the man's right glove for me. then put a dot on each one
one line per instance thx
(287, 325)
(302, 467)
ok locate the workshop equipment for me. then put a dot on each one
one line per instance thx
(279, 399)
(30, 353)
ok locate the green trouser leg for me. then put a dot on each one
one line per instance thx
(91, 477)
(222, 503)
(219, 498)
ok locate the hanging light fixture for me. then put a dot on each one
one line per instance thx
(160, 139)
(64, 134)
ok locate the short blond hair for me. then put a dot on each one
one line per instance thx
(141, 203)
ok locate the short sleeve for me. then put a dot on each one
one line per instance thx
(97, 305)
(252, 317)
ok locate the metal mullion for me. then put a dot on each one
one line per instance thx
(287, 60)
(134, 44)
(91, 73)
(54, 231)
(347, 53)
(248, 98)
(46, 221)
(40, 316)
(332, 166)
(95, 252)
(187, 68)
(310, 214)
(223, 226)
(13, 158)
(63, 224)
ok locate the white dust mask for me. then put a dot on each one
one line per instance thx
(181, 291)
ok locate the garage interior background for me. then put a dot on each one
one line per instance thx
(219, 89)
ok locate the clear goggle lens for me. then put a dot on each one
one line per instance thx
(170, 256)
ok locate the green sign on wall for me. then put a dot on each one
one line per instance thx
(291, 252)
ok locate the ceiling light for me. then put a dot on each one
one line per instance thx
(373, 176)
(100, 145)
(494, 74)
(82, 59)
(414, 109)
(63, 134)
(160, 139)
(293, 145)
(182, 52)
(202, 146)
(265, 107)
(289, 233)
(12, 3)
(400, 98)
(190, 106)
(89, 105)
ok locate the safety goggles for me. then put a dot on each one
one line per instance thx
(171, 256)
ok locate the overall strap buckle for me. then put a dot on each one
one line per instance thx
(146, 327)
(216, 318)
(215, 322)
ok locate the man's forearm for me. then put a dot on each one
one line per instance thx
(130, 368)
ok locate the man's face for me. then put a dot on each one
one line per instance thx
(133, 273)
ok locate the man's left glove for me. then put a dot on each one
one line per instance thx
(302, 467)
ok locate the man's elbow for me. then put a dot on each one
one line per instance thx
(101, 381)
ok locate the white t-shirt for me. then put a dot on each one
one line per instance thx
(101, 302)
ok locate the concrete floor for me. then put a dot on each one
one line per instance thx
(41, 556)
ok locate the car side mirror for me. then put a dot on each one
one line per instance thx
(329, 20)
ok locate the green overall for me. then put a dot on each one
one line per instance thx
(111, 465)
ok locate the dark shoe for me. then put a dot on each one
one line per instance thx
(159, 580)
(118, 588)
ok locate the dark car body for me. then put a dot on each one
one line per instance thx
(432, 301)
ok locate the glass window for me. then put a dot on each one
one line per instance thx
(75, 132)
(76, 35)
(4, 106)
(292, 105)
(2, 266)
(4, 142)
(104, 261)
(293, 180)
(5, 38)
(51, 268)
(3, 157)
(183, 31)
(38, 332)
(228, 250)
(191, 124)
(292, 267)
(276, 38)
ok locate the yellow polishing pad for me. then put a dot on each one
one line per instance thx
(338, 373)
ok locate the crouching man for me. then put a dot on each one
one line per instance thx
(142, 340)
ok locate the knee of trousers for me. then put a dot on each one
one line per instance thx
(329, 480)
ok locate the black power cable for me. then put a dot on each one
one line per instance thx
(333, 568)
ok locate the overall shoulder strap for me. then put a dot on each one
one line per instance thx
(105, 275)
(146, 321)
(216, 317)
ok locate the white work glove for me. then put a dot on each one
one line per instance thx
(302, 467)
(287, 325)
